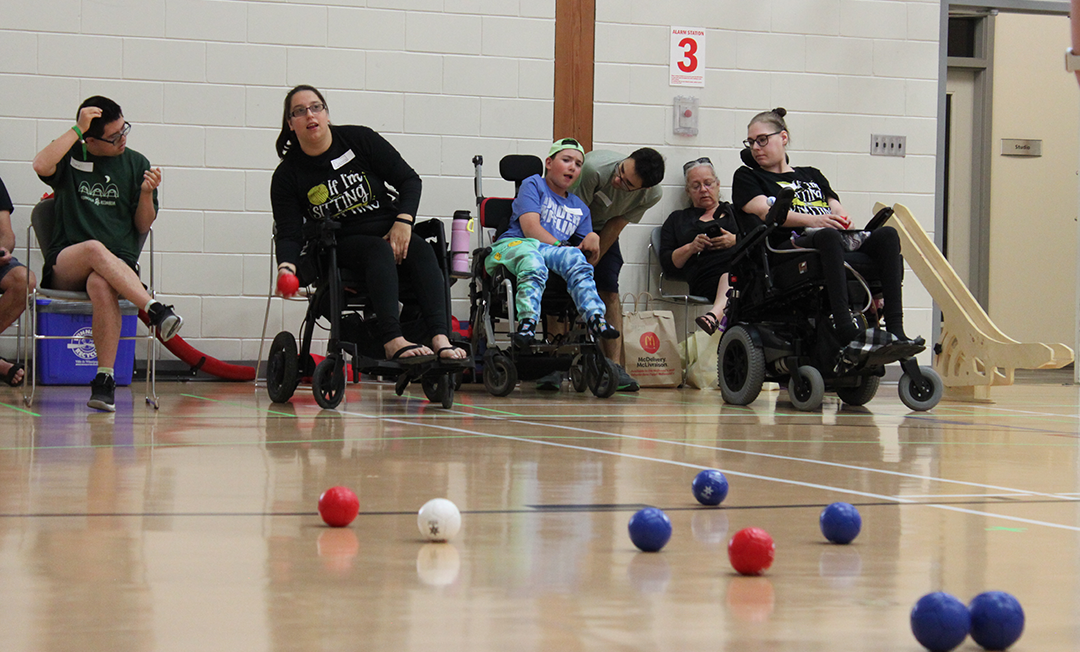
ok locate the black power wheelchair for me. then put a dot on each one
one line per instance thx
(339, 297)
(779, 327)
(492, 301)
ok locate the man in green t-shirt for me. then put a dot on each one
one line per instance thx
(106, 197)
(618, 189)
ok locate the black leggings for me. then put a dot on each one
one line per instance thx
(372, 257)
(883, 246)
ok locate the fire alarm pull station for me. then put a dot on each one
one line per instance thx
(686, 116)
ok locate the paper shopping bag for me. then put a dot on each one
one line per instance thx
(650, 345)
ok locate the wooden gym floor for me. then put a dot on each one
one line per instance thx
(195, 527)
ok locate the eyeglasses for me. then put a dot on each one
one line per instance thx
(708, 184)
(760, 141)
(704, 160)
(621, 175)
(115, 138)
(300, 111)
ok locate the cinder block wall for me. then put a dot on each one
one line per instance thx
(203, 82)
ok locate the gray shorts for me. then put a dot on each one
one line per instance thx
(12, 264)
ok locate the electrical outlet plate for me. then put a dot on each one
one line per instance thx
(881, 145)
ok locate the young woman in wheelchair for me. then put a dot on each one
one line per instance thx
(816, 221)
(341, 173)
(699, 241)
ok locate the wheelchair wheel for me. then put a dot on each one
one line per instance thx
(328, 382)
(602, 376)
(861, 394)
(500, 375)
(440, 389)
(740, 367)
(282, 368)
(578, 379)
(806, 388)
(921, 396)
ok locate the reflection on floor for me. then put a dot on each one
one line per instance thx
(195, 527)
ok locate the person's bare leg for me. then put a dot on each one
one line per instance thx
(15, 285)
(613, 348)
(76, 262)
(106, 320)
(720, 304)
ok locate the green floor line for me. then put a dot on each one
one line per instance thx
(19, 409)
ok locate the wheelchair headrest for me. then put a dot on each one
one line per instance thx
(519, 167)
(748, 158)
(777, 215)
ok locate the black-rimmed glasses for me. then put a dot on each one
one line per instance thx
(115, 138)
(760, 141)
(315, 109)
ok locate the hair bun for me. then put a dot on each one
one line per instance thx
(780, 111)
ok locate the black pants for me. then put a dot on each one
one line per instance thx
(372, 257)
(883, 246)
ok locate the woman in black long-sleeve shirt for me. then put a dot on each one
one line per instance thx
(704, 257)
(341, 173)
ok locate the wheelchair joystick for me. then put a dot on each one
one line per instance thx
(288, 284)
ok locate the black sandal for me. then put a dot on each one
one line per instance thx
(413, 359)
(708, 323)
(9, 377)
(463, 362)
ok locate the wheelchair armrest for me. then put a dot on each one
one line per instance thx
(432, 228)
(777, 215)
(749, 242)
(879, 218)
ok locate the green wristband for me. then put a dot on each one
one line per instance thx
(78, 132)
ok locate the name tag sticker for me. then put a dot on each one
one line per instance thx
(573, 211)
(343, 159)
(602, 197)
(82, 166)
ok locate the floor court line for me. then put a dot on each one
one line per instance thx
(789, 458)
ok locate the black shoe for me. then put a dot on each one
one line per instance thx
(626, 381)
(550, 383)
(168, 322)
(525, 334)
(102, 393)
(599, 327)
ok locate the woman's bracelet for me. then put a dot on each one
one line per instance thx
(289, 267)
(403, 220)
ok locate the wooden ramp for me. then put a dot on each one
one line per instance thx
(975, 354)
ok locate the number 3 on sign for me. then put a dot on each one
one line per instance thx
(689, 62)
(687, 56)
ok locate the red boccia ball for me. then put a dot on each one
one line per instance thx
(338, 506)
(288, 284)
(751, 551)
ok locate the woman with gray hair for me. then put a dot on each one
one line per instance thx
(698, 241)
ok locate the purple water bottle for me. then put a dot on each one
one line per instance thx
(459, 245)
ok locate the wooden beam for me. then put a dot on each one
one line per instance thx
(575, 37)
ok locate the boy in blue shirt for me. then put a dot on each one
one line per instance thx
(546, 216)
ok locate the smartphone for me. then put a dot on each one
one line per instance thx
(711, 229)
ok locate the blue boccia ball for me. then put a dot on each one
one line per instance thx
(940, 622)
(650, 529)
(710, 487)
(840, 522)
(997, 619)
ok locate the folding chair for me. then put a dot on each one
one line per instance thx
(685, 298)
(42, 220)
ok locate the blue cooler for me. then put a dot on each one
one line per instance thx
(73, 360)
